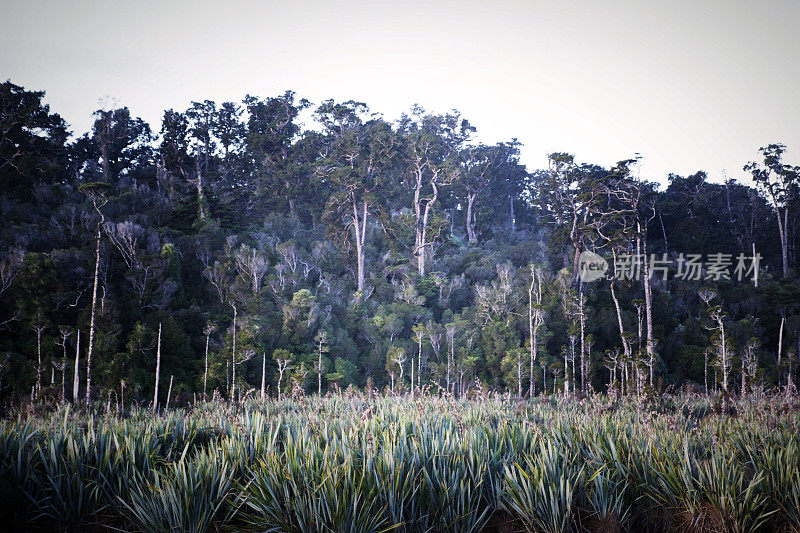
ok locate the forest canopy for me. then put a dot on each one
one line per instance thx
(230, 250)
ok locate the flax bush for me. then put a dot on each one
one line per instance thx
(352, 463)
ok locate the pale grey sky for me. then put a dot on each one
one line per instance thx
(688, 84)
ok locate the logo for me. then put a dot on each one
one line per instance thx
(591, 266)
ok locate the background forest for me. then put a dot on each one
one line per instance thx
(236, 251)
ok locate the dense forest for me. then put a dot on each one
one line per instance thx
(231, 251)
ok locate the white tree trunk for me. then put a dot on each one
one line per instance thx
(76, 372)
(263, 373)
(92, 319)
(169, 391)
(233, 354)
(205, 371)
(158, 368)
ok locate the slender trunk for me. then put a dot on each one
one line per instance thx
(583, 337)
(782, 227)
(92, 319)
(233, 355)
(400, 378)
(574, 379)
(627, 384)
(422, 230)
(419, 372)
(450, 356)
(755, 266)
(412, 373)
(263, 373)
(39, 356)
(648, 308)
(76, 372)
(169, 391)
(201, 200)
(360, 228)
(158, 368)
(280, 379)
(544, 380)
(319, 371)
(471, 235)
(780, 342)
(724, 357)
(531, 332)
(626, 350)
(742, 389)
(664, 233)
(205, 371)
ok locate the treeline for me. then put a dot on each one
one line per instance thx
(237, 252)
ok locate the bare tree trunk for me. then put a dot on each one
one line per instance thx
(360, 229)
(450, 331)
(582, 317)
(158, 368)
(282, 363)
(534, 322)
(400, 377)
(39, 329)
(755, 266)
(263, 373)
(169, 391)
(573, 361)
(412, 373)
(76, 373)
(743, 377)
(782, 227)
(92, 319)
(532, 335)
(626, 350)
(544, 379)
(201, 199)
(233, 354)
(471, 234)
(780, 345)
(724, 357)
(422, 231)
(205, 371)
(648, 308)
(419, 372)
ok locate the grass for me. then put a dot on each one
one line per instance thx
(352, 463)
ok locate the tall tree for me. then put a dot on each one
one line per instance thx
(32, 141)
(779, 182)
(356, 163)
(431, 146)
(97, 194)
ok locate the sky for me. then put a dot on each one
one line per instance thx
(689, 85)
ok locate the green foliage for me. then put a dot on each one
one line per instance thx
(236, 205)
(358, 463)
